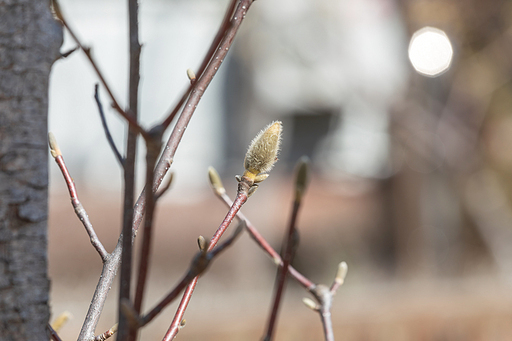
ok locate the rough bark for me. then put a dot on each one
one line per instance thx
(29, 44)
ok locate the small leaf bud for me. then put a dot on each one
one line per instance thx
(215, 181)
(54, 147)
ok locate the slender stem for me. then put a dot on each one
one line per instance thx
(325, 316)
(178, 317)
(262, 242)
(289, 252)
(105, 127)
(171, 296)
(125, 331)
(197, 267)
(80, 210)
(153, 150)
(108, 273)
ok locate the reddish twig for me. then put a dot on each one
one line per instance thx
(291, 241)
(77, 205)
(153, 150)
(107, 334)
(259, 159)
(105, 127)
(178, 317)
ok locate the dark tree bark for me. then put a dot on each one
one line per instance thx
(29, 44)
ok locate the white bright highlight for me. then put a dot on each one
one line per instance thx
(430, 51)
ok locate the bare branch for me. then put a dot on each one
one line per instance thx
(199, 264)
(105, 127)
(77, 205)
(324, 296)
(291, 240)
(126, 332)
(175, 325)
(153, 147)
(111, 266)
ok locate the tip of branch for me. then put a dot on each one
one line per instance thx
(215, 181)
(342, 272)
(191, 75)
(276, 260)
(202, 243)
(308, 302)
(301, 177)
(54, 147)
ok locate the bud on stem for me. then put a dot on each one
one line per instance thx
(262, 152)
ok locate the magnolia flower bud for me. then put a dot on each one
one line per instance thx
(263, 150)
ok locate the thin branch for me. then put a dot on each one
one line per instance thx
(324, 296)
(199, 264)
(126, 332)
(127, 116)
(111, 266)
(178, 317)
(291, 242)
(105, 127)
(77, 205)
(153, 147)
(107, 334)
(53, 334)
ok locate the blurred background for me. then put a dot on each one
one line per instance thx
(403, 107)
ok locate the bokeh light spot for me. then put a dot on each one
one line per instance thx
(430, 51)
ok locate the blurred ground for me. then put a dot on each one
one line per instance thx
(233, 298)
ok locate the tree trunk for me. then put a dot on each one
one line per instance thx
(29, 44)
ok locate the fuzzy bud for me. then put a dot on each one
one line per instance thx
(263, 150)
(301, 177)
(342, 272)
(54, 147)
